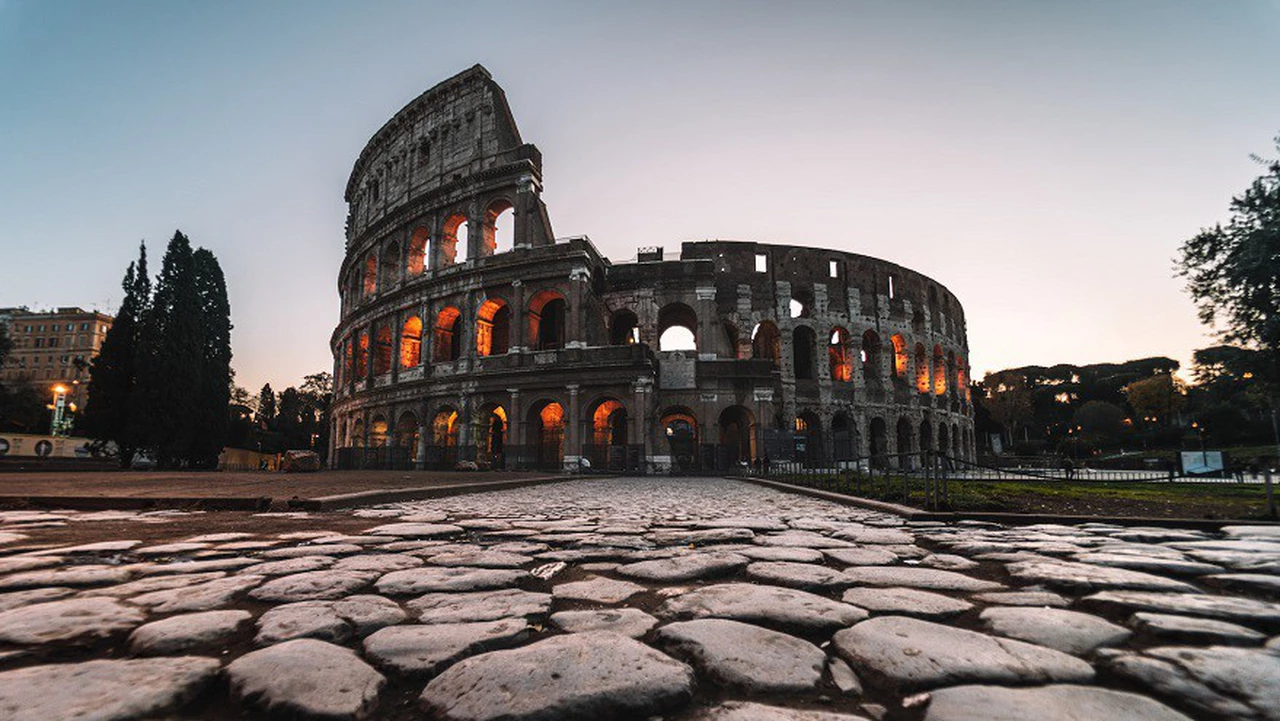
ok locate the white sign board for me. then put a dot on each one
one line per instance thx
(1195, 463)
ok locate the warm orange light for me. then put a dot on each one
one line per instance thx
(59, 389)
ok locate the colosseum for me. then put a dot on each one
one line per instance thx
(470, 333)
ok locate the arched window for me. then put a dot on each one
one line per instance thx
(901, 358)
(547, 311)
(803, 349)
(499, 228)
(871, 356)
(547, 421)
(419, 245)
(962, 378)
(491, 435)
(839, 356)
(677, 328)
(493, 328)
(624, 328)
(453, 241)
(939, 371)
(406, 435)
(411, 342)
(737, 435)
(922, 369)
(382, 350)
(444, 429)
(370, 275)
(447, 340)
(766, 342)
(609, 423)
(378, 432)
(390, 265)
(362, 356)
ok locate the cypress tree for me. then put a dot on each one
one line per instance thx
(210, 420)
(267, 408)
(113, 374)
(175, 343)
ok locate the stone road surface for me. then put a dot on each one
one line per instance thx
(681, 599)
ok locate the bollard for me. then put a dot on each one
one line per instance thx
(1271, 499)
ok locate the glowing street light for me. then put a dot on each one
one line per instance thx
(59, 409)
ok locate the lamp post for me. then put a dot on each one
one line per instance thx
(59, 408)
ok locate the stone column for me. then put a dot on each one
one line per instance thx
(709, 333)
(519, 319)
(575, 332)
(424, 430)
(573, 441)
(515, 424)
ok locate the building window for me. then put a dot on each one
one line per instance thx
(890, 287)
(833, 268)
(762, 262)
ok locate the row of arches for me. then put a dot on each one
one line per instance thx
(393, 263)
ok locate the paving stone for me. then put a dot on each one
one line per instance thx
(913, 654)
(597, 590)
(1148, 563)
(367, 613)
(745, 657)
(751, 711)
(861, 556)
(631, 622)
(480, 606)
(305, 619)
(1022, 598)
(306, 677)
(575, 677)
(701, 536)
(27, 563)
(1227, 608)
(312, 586)
(415, 530)
(154, 583)
(189, 568)
(797, 575)
(1223, 681)
(74, 576)
(843, 677)
(948, 562)
(1045, 703)
(1067, 631)
(879, 536)
(1260, 583)
(284, 567)
(906, 602)
(377, 563)
(416, 650)
(754, 523)
(481, 559)
(219, 537)
(785, 609)
(415, 581)
(16, 599)
(1088, 577)
(427, 517)
(319, 549)
(71, 619)
(103, 690)
(171, 549)
(1260, 532)
(914, 577)
(802, 539)
(200, 597)
(1183, 629)
(100, 547)
(685, 568)
(187, 632)
(780, 553)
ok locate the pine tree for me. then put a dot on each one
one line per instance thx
(175, 340)
(267, 408)
(113, 374)
(210, 419)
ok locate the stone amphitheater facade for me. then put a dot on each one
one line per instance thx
(456, 346)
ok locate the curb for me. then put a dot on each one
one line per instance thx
(140, 503)
(912, 514)
(367, 498)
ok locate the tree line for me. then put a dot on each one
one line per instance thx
(297, 418)
(160, 384)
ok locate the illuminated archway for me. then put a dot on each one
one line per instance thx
(362, 356)
(444, 429)
(382, 350)
(370, 275)
(491, 432)
(547, 316)
(547, 420)
(378, 432)
(839, 356)
(766, 342)
(680, 428)
(609, 423)
(901, 358)
(357, 433)
(493, 328)
(406, 435)
(419, 245)
(447, 341)
(411, 342)
(922, 369)
(453, 241)
(677, 328)
(738, 435)
(499, 228)
(939, 371)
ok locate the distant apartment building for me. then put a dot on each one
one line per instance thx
(53, 347)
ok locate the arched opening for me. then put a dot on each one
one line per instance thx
(382, 350)
(453, 241)
(905, 446)
(499, 228)
(362, 356)
(802, 352)
(766, 342)
(680, 427)
(411, 342)
(348, 362)
(416, 262)
(922, 369)
(547, 311)
(491, 430)
(357, 434)
(609, 423)
(901, 358)
(391, 265)
(808, 437)
(871, 357)
(801, 305)
(547, 420)
(839, 355)
(879, 443)
(624, 328)
(844, 437)
(444, 437)
(677, 328)
(493, 328)
(796, 308)
(939, 371)
(737, 436)
(926, 436)
(370, 275)
(378, 432)
(943, 445)
(447, 343)
(406, 435)
(962, 379)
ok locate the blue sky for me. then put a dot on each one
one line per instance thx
(1044, 160)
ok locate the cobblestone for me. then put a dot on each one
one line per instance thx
(631, 597)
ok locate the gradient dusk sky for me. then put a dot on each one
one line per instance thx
(1043, 159)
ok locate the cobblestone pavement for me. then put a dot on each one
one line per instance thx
(681, 599)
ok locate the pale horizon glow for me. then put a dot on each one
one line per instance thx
(1043, 161)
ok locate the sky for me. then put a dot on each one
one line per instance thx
(1043, 160)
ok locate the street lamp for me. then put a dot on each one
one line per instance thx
(59, 408)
